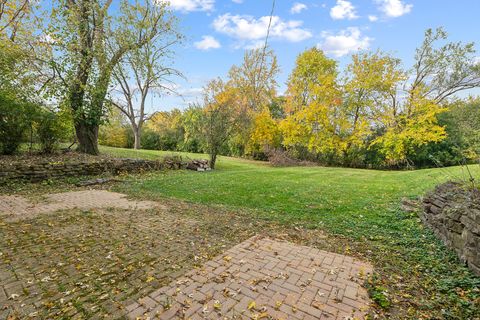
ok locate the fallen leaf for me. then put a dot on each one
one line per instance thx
(278, 304)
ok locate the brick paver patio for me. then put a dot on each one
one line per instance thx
(264, 279)
(94, 255)
(89, 264)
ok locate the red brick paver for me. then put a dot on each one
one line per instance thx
(264, 279)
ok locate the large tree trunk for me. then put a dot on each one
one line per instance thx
(87, 136)
(137, 135)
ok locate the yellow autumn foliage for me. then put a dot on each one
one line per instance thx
(265, 134)
(314, 118)
(415, 126)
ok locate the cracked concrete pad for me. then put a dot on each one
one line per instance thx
(18, 207)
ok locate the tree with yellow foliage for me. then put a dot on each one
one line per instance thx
(371, 80)
(266, 133)
(255, 78)
(167, 129)
(115, 132)
(254, 81)
(415, 125)
(314, 117)
(18, 68)
(409, 114)
(13, 17)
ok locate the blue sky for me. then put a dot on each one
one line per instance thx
(218, 32)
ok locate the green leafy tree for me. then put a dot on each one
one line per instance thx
(114, 132)
(167, 126)
(462, 143)
(18, 67)
(89, 42)
(220, 117)
(14, 15)
(18, 97)
(49, 130)
(463, 122)
(191, 123)
(16, 116)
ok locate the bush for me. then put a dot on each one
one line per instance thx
(462, 144)
(114, 136)
(16, 116)
(168, 140)
(150, 140)
(191, 145)
(115, 132)
(49, 131)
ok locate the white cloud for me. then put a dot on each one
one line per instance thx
(248, 29)
(394, 8)
(257, 44)
(345, 42)
(298, 7)
(207, 43)
(372, 18)
(238, 1)
(191, 5)
(193, 92)
(476, 60)
(343, 10)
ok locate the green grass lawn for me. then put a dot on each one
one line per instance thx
(416, 275)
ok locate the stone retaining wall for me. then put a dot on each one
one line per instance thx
(42, 171)
(453, 212)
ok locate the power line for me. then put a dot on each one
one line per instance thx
(268, 31)
(266, 40)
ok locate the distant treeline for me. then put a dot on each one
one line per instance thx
(373, 114)
(174, 131)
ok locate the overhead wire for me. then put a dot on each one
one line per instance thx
(264, 51)
(267, 36)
